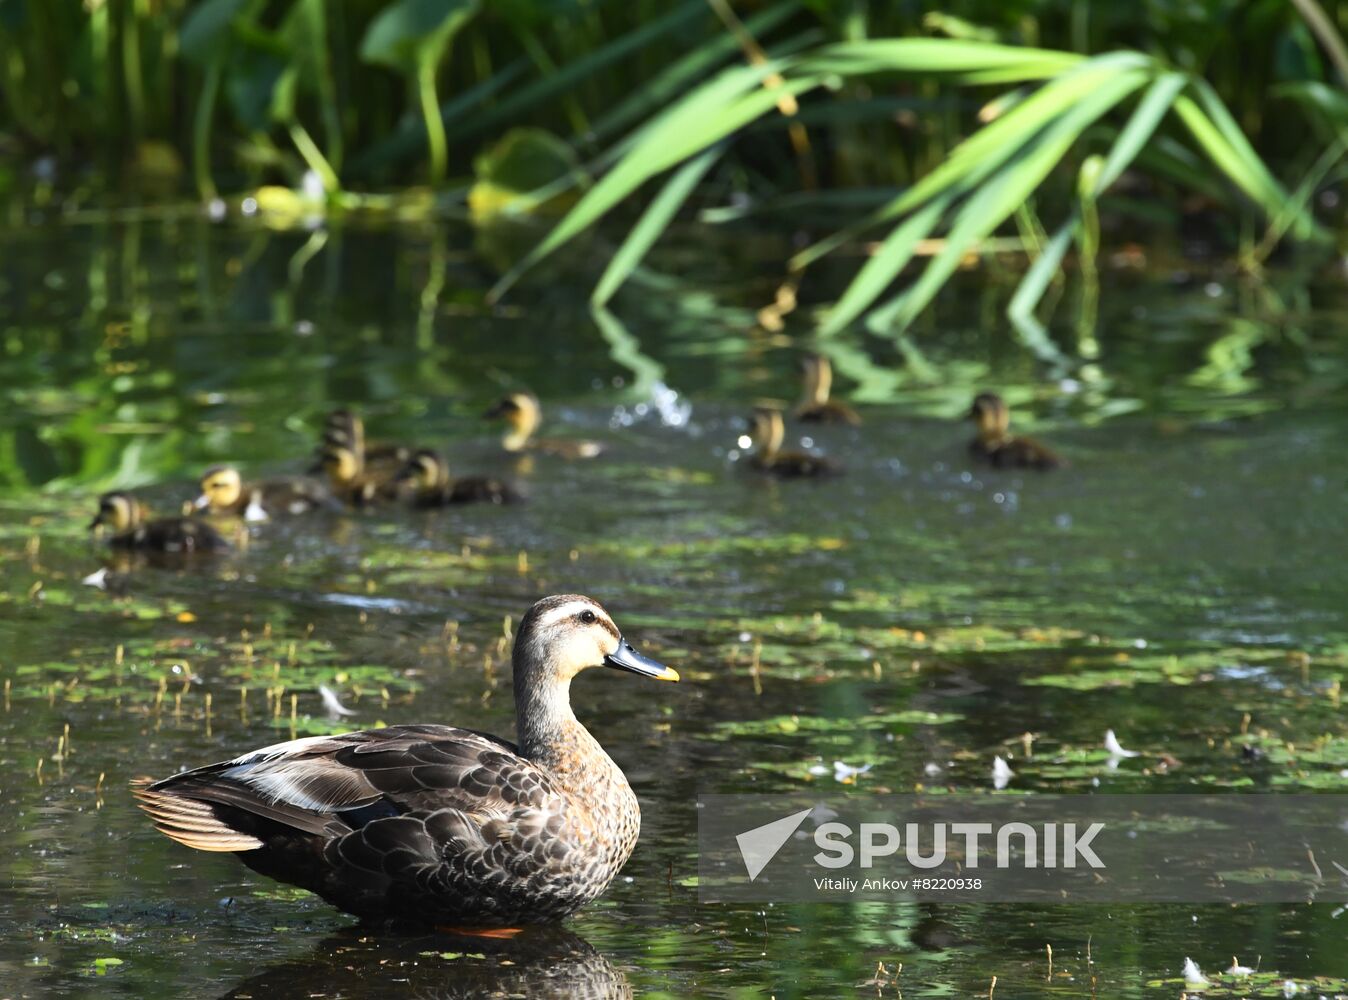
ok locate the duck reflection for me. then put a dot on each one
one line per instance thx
(539, 962)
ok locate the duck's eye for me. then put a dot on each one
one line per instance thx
(587, 617)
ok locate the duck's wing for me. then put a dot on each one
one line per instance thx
(829, 412)
(297, 495)
(482, 489)
(173, 535)
(331, 785)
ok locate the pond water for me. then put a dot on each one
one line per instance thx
(1182, 583)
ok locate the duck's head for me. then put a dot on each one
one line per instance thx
(768, 430)
(425, 470)
(118, 512)
(562, 635)
(221, 488)
(343, 428)
(818, 372)
(340, 463)
(522, 415)
(990, 414)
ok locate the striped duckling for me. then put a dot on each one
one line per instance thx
(132, 527)
(996, 445)
(432, 823)
(523, 414)
(345, 429)
(427, 476)
(767, 434)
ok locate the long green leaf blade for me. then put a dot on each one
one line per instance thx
(652, 223)
(997, 141)
(706, 117)
(994, 201)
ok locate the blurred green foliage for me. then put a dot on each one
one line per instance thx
(945, 127)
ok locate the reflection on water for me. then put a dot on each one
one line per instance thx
(544, 963)
(1179, 584)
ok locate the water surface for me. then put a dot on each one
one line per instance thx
(1182, 583)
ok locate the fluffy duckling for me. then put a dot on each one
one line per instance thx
(223, 492)
(815, 406)
(346, 429)
(132, 528)
(995, 443)
(768, 433)
(522, 415)
(426, 474)
(354, 484)
(431, 822)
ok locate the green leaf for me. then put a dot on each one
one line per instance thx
(705, 117)
(938, 55)
(207, 29)
(517, 173)
(652, 223)
(885, 265)
(1159, 98)
(994, 143)
(413, 31)
(994, 201)
(1221, 139)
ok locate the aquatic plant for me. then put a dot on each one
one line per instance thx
(856, 109)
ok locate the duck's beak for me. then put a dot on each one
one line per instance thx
(627, 658)
(497, 409)
(97, 522)
(201, 502)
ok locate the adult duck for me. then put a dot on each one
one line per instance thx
(996, 445)
(432, 823)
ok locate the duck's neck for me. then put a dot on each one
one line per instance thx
(522, 426)
(551, 736)
(818, 382)
(770, 441)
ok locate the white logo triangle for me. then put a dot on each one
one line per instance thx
(761, 844)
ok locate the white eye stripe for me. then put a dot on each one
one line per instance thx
(569, 610)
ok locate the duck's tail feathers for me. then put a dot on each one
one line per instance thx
(190, 822)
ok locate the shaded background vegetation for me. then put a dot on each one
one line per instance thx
(961, 130)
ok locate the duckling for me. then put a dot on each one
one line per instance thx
(522, 414)
(768, 433)
(345, 429)
(430, 822)
(132, 528)
(815, 406)
(427, 475)
(995, 443)
(223, 492)
(352, 483)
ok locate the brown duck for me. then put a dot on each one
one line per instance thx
(815, 406)
(768, 432)
(996, 445)
(523, 414)
(134, 528)
(427, 476)
(429, 822)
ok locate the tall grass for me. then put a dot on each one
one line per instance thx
(955, 125)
